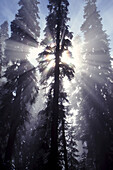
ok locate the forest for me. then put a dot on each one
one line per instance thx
(56, 91)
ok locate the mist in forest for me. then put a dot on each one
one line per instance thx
(56, 85)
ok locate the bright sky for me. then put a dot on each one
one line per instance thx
(8, 9)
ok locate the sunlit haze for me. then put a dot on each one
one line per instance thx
(56, 85)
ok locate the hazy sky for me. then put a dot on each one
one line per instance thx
(8, 9)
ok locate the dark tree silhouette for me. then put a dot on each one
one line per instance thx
(56, 41)
(21, 86)
(95, 115)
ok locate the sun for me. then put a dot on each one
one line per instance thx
(33, 54)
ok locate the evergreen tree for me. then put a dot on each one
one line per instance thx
(21, 86)
(56, 41)
(26, 26)
(95, 110)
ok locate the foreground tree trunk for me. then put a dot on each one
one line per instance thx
(54, 129)
(64, 145)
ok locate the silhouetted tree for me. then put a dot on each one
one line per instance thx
(95, 115)
(56, 41)
(21, 86)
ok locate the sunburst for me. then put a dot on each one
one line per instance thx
(33, 54)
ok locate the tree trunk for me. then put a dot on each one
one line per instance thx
(10, 144)
(64, 145)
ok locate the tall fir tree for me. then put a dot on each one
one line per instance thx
(95, 118)
(26, 26)
(21, 87)
(53, 69)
